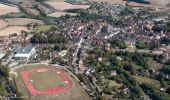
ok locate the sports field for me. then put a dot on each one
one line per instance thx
(42, 82)
(46, 80)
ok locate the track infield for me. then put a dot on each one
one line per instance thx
(46, 80)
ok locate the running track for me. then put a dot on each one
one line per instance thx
(33, 91)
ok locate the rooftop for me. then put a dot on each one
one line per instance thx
(22, 49)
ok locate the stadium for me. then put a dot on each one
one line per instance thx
(42, 82)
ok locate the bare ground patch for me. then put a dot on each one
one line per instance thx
(5, 9)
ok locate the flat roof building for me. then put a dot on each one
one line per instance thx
(23, 53)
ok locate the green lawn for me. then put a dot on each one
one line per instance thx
(45, 80)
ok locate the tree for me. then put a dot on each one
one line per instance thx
(4, 71)
(140, 45)
(57, 47)
(138, 91)
(157, 28)
(153, 93)
(168, 90)
(166, 69)
(137, 57)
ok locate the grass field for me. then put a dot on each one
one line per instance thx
(5, 9)
(44, 80)
(142, 79)
(75, 93)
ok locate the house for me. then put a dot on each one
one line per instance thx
(2, 55)
(113, 73)
(23, 53)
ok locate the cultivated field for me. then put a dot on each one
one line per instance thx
(15, 25)
(67, 0)
(59, 14)
(3, 24)
(153, 3)
(21, 21)
(12, 29)
(110, 1)
(57, 0)
(5, 9)
(159, 2)
(45, 78)
(64, 5)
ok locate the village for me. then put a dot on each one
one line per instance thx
(114, 51)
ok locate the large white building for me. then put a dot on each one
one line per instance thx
(23, 53)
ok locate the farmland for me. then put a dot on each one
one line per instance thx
(67, 0)
(28, 6)
(15, 25)
(111, 1)
(3, 24)
(159, 2)
(59, 14)
(64, 5)
(21, 21)
(12, 29)
(5, 9)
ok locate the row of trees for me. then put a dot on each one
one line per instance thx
(145, 45)
(4, 73)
